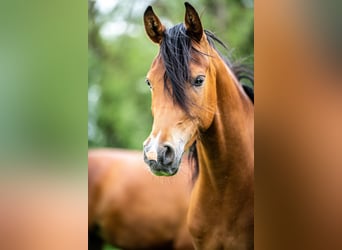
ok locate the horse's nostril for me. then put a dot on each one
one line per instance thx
(168, 155)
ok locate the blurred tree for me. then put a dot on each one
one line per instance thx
(120, 54)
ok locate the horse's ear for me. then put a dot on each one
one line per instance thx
(154, 28)
(193, 23)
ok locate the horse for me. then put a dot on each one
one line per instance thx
(198, 103)
(130, 208)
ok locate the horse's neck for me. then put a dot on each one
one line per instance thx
(226, 149)
(222, 202)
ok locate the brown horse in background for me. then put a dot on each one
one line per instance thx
(130, 208)
(198, 103)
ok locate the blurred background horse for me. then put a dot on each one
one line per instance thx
(130, 208)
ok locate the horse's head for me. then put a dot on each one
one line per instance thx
(182, 82)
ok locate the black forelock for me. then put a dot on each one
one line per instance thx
(176, 52)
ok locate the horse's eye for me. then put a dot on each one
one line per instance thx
(148, 83)
(199, 80)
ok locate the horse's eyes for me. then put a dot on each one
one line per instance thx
(148, 83)
(199, 80)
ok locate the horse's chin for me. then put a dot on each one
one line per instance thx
(164, 172)
(161, 170)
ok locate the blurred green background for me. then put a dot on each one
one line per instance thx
(120, 55)
(43, 84)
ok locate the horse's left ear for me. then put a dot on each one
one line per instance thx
(154, 28)
(193, 23)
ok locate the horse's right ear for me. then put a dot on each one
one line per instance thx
(154, 28)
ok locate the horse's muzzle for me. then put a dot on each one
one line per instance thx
(161, 159)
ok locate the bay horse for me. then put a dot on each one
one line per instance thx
(130, 208)
(198, 103)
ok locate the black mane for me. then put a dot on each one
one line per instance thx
(240, 71)
(176, 50)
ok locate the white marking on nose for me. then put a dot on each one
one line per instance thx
(152, 154)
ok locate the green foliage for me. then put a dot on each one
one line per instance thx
(118, 98)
